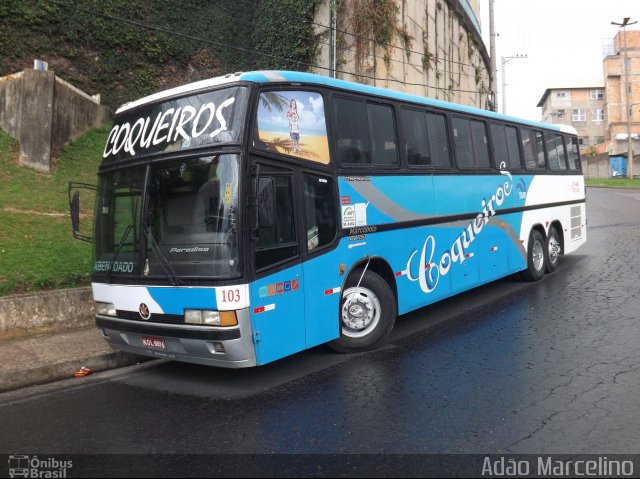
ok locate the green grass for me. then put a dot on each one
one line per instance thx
(37, 250)
(614, 182)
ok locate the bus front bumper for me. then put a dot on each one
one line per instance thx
(222, 347)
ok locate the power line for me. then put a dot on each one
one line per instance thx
(245, 50)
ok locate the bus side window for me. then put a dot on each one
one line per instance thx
(556, 152)
(540, 161)
(470, 138)
(383, 134)
(416, 143)
(515, 162)
(438, 143)
(505, 146)
(574, 154)
(533, 148)
(352, 132)
(425, 138)
(320, 211)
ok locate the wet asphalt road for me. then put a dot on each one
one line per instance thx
(548, 367)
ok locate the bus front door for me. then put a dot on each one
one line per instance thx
(277, 297)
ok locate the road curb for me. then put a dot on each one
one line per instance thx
(64, 369)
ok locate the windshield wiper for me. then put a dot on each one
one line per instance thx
(164, 262)
(125, 235)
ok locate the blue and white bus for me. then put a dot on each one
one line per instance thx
(245, 218)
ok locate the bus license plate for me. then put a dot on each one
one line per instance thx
(155, 343)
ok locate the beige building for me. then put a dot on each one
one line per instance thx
(623, 104)
(581, 106)
(434, 48)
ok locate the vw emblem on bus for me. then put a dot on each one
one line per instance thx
(144, 311)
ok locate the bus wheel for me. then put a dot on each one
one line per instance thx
(554, 249)
(536, 257)
(367, 313)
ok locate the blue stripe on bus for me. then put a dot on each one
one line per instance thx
(391, 199)
(176, 300)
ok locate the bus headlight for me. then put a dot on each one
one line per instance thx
(210, 318)
(105, 309)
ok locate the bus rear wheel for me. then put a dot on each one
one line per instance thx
(553, 250)
(367, 313)
(536, 257)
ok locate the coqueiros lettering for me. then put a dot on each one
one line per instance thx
(430, 272)
(184, 122)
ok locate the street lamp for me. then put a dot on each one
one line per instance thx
(504, 81)
(623, 25)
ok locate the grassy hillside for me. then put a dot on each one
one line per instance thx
(37, 250)
(125, 49)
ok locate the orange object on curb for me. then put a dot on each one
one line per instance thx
(82, 372)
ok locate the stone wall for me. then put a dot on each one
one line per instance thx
(48, 311)
(442, 56)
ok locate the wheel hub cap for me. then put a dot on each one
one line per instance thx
(360, 312)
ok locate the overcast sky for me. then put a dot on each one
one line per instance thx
(562, 39)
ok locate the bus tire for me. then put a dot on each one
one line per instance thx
(536, 257)
(553, 250)
(367, 314)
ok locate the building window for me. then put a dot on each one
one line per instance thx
(597, 94)
(560, 114)
(561, 94)
(597, 114)
(579, 115)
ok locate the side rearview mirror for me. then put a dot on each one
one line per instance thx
(74, 211)
(74, 208)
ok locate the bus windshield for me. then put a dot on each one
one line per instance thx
(192, 217)
(190, 227)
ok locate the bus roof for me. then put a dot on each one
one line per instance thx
(281, 76)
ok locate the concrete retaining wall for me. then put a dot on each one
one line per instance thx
(48, 311)
(74, 113)
(596, 167)
(10, 93)
(44, 113)
(36, 120)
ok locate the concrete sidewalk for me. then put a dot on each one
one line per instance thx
(50, 357)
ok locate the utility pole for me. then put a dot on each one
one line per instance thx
(492, 54)
(504, 79)
(332, 39)
(627, 103)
